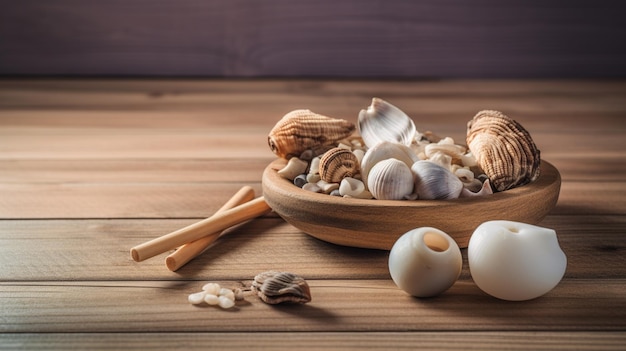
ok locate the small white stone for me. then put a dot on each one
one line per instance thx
(196, 298)
(327, 187)
(313, 177)
(225, 302)
(211, 299)
(227, 293)
(212, 288)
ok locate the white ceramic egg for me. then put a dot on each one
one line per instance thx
(425, 262)
(515, 261)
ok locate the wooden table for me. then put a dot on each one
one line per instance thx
(90, 168)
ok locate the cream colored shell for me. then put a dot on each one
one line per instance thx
(503, 149)
(390, 179)
(382, 121)
(301, 130)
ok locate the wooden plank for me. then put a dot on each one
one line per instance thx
(282, 38)
(58, 250)
(338, 305)
(511, 340)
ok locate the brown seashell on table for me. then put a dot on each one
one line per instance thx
(277, 287)
(503, 149)
(301, 130)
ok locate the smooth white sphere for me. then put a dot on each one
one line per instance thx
(515, 261)
(425, 262)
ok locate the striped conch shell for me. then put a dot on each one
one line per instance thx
(301, 130)
(503, 149)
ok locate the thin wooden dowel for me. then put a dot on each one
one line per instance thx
(190, 250)
(218, 222)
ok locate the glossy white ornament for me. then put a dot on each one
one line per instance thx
(425, 262)
(515, 261)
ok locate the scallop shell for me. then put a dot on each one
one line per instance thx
(390, 179)
(503, 149)
(338, 163)
(277, 287)
(383, 121)
(300, 130)
(434, 182)
(383, 151)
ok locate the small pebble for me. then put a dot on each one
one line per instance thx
(313, 177)
(225, 302)
(196, 298)
(306, 155)
(227, 293)
(326, 186)
(211, 299)
(212, 288)
(351, 187)
(335, 193)
(238, 294)
(313, 187)
(300, 180)
(294, 167)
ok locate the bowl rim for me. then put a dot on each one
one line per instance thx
(548, 176)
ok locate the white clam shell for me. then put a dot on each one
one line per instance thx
(383, 151)
(515, 261)
(425, 262)
(390, 179)
(383, 121)
(435, 182)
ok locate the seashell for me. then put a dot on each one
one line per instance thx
(294, 168)
(425, 262)
(484, 190)
(434, 182)
(515, 261)
(351, 187)
(278, 287)
(300, 130)
(338, 163)
(390, 179)
(383, 121)
(503, 149)
(383, 151)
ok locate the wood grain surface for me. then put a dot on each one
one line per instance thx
(324, 38)
(91, 168)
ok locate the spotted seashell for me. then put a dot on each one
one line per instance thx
(435, 182)
(301, 130)
(338, 163)
(503, 149)
(277, 287)
(383, 121)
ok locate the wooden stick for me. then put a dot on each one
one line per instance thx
(190, 250)
(218, 222)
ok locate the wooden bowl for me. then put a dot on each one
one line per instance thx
(377, 224)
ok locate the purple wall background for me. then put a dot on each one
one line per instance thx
(285, 38)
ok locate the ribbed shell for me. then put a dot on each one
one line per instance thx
(301, 130)
(435, 182)
(390, 179)
(278, 287)
(338, 163)
(503, 149)
(383, 121)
